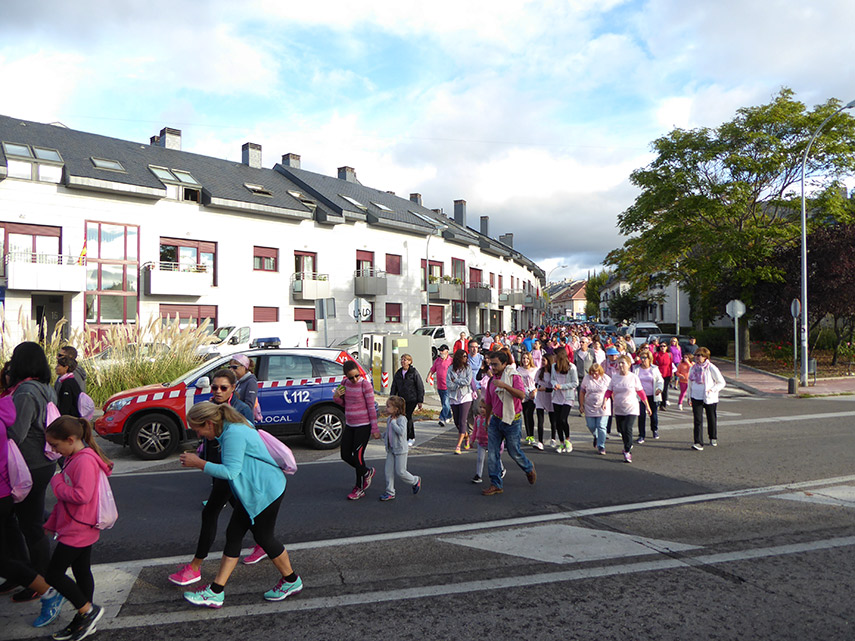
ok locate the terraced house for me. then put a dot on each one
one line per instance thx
(102, 231)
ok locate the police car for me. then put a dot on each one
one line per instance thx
(295, 391)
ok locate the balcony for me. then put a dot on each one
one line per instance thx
(445, 291)
(369, 282)
(479, 293)
(533, 302)
(45, 272)
(310, 286)
(176, 279)
(511, 297)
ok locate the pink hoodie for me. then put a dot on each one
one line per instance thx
(7, 417)
(76, 490)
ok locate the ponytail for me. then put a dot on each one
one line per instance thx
(67, 426)
(219, 415)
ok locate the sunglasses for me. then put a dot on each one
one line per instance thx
(233, 366)
(221, 388)
(354, 378)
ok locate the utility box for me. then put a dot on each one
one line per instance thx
(386, 351)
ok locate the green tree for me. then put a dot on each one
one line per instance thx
(593, 292)
(625, 305)
(717, 204)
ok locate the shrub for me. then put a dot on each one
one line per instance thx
(714, 339)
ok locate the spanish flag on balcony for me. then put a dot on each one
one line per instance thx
(82, 259)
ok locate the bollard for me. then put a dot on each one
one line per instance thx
(791, 385)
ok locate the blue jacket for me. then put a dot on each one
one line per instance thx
(255, 478)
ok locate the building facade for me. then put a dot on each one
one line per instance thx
(101, 231)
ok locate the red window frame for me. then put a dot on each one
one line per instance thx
(306, 314)
(258, 256)
(265, 314)
(393, 264)
(393, 310)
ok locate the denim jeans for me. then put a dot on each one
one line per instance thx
(597, 427)
(497, 431)
(445, 412)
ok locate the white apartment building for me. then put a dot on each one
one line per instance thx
(674, 303)
(101, 231)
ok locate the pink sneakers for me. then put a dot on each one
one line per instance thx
(185, 576)
(357, 494)
(255, 556)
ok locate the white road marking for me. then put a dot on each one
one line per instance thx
(843, 496)
(564, 543)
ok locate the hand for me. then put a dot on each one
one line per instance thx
(189, 459)
(419, 406)
(375, 435)
(339, 391)
(649, 411)
(604, 405)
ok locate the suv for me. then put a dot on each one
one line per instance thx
(642, 330)
(442, 335)
(295, 389)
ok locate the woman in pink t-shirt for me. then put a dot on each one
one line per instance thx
(625, 389)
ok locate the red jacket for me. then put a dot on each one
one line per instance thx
(663, 361)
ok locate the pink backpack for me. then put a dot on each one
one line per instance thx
(281, 453)
(108, 513)
(51, 414)
(19, 474)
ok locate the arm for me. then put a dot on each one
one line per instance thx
(368, 394)
(25, 412)
(233, 451)
(67, 401)
(398, 426)
(517, 390)
(84, 482)
(251, 393)
(393, 391)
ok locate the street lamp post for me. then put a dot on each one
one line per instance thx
(804, 331)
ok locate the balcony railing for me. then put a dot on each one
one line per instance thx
(310, 285)
(511, 297)
(176, 279)
(445, 291)
(369, 282)
(479, 293)
(44, 272)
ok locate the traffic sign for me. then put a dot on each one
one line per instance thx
(796, 308)
(359, 308)
(735, 308)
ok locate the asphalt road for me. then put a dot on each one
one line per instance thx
(752, 539)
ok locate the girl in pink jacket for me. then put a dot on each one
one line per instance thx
(74, 517)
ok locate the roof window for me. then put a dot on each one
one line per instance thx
(258, 190)
(51, 155)
(354, 202)
(13, 149)
(382, 207)
(163, 173)
(185, 177)
(308, 202)
(103, 163)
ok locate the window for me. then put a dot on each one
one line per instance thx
(393, 264)
(306, 314)
(13, 149)
(354, 202)
(435, 271)
(458, 312)
(180, 185)
(381, 207)
(182, 254)
(308, 202)
(436, 314)
(190, 315)
(393, 312)
(500, 282)
(103, 163)
(288, 366)
(258, 190)
(265, 259)
(326, 368)
(112, 273)
(36, 163)
(493, 279)
(51, 155)
(265, 314)
(458, 269)
(365, 262)
(305, 265)
(475, 276)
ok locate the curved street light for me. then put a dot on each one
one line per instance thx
(804, 332)
(552, 270)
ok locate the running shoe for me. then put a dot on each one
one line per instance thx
(185, 576)
(357, 494)
(476, 479)
(366, 480)
(51, 605)
(466, 444)
(284, 589)
(417, 486)
(640, 441)
(553, 443)
(68, 631)
(568, 446)
(81, 626)
(601, 450)
(442, 423)
(698, 447)
(504, 471)
(627, 457)
(713, 442)
(655, 434)
(387, 497)
(539, 446)
(457, 450)
(680, 407)
(411, 442)
(206, 596)
(255, 556)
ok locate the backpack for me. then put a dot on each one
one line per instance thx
(108, 513)
(281, 453)
(85, 406)
(51, 414)
(19, 474)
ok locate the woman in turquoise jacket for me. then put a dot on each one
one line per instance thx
(257, 483)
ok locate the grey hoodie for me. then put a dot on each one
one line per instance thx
(28, 430)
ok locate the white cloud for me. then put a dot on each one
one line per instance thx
(38, 86)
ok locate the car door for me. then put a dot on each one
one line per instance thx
(331, 376)
(288, 388)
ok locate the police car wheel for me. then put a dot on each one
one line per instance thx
(324, 427)
(153, 437)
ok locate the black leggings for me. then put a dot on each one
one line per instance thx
(699, 408)
(665, 391)
(31, 520)
(81, 590)
(562, 414)
(221, 493)
(354, 440)
(11, 568)
(528, 417)
(409, 408)
(624, 428)
(262, 530)
(540, 424)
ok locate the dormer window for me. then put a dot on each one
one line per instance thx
(104, 163)
(33, 163)
(354, 202)
(180, 185)
(258, 190)
(381, 207)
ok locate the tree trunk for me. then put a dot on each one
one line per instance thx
(744, 340)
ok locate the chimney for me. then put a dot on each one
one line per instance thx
(169, 138)
(347, 173)
(390, 192)
(251, 155)
(507, 239)
(460, 212)
(416, 198)
(291, 160)
(485, 225)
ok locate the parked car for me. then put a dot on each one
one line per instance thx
(682, 340)
(642, 330)
(442, 335)
(295, 389)
(349, 345)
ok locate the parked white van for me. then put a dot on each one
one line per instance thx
(442, 335)
(642, 331)
(229, 339)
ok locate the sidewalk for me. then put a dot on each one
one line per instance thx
(762, 383)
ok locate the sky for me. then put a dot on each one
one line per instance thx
(534, 112)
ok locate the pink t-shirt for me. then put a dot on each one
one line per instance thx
(625, 394)
(595, 392)
(648, 382)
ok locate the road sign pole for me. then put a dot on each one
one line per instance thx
(736, 344)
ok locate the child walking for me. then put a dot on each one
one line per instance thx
(683, 377)
(396, 449)
(479, 435)
(73, 520)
